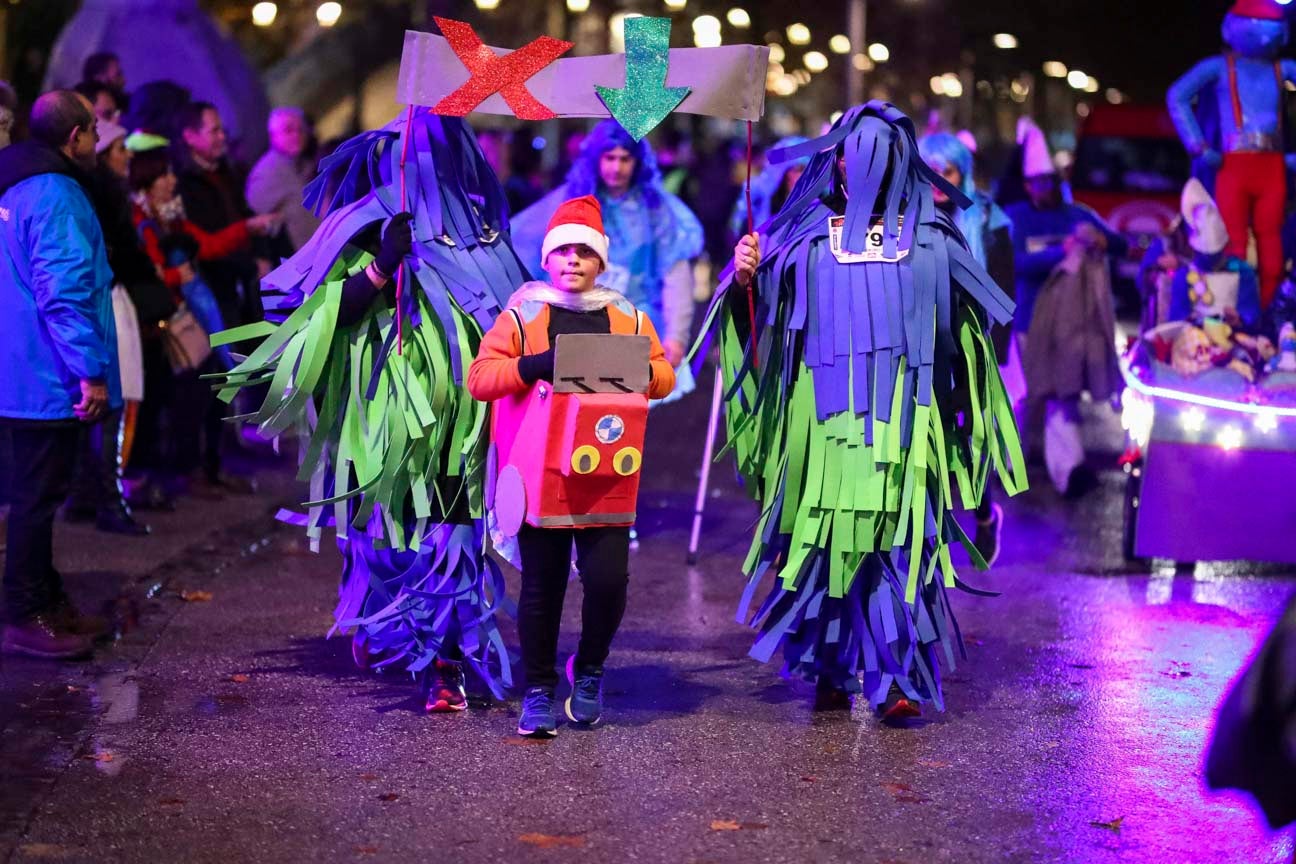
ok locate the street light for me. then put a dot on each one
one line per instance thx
(1055, 69)
(840, 44)
(578, 5)
(676, 5)
(706, 31)
(777, 54)
(1091, 86)
(739, 18)
(815, 61)
(263, 14)
(328, 13)
(487, 4)
(1005, 41)
(862, 63)
(953, 87)
(798, 34)
(937, 84)
(1114, 96)
(706, 24)
(879, 53)
(616, 29)
(1077, 79)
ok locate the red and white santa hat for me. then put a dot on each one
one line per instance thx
(579, 220)
(1266, 10)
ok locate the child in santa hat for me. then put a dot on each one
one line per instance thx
(515, 354)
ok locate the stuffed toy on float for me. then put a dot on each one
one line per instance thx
(1246, 85)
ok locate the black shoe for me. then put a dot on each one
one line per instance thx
(831, 696)
(65, 616)
(118, 520)
(898, 709)
(585, 705)
(988, 534)
(41, 637)
(538, 719)
(1081, 482)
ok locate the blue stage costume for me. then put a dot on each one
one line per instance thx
(871, 382)
(393, 445)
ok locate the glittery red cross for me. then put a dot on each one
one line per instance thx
(491, 73)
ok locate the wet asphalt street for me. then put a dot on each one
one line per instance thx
(226, 728)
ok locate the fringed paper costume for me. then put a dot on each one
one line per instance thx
(393, 446)
(870, 386)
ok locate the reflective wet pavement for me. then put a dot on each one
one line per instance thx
(227, 728)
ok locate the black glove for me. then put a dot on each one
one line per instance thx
(537, 367)
(397, 243)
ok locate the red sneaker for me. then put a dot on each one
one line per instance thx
(446, 693)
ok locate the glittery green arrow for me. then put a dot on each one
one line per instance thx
(645, 101)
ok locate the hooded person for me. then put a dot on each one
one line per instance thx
(371, 326)
(769, 189)
(653, 234)
(869, 382)
(1065, 318)
(988, 235)
(1213, 284)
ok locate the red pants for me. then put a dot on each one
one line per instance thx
(1251, 191)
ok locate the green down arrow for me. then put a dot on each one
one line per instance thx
(645, 101)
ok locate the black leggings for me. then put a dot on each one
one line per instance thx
(603, 559)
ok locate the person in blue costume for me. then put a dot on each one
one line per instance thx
(769, 189)
(988, 234)
(1245, 88)
(393, 446)
(653, 234)
(1212, 283)
(868, 382)
(1046, 232)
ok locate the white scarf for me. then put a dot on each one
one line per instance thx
(592, 300)
(170, 212)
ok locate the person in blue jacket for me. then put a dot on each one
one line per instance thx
(58, 347)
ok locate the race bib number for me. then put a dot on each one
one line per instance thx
(873, 249)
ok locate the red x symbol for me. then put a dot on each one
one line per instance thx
(493, 74)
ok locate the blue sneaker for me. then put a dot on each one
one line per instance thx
(538, 719)
(585, 705)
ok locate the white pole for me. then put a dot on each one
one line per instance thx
(708, 452)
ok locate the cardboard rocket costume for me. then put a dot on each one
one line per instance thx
(871, 382)
(569, 368)
(567, 453)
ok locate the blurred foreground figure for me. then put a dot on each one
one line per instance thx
(1254, 748)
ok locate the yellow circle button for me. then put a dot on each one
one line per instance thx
(585, 460)
(626, 461)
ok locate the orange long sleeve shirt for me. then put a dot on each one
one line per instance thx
(495, 374)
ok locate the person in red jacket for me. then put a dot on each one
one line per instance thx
(161, 221)
(175, 245)
(515, 354)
